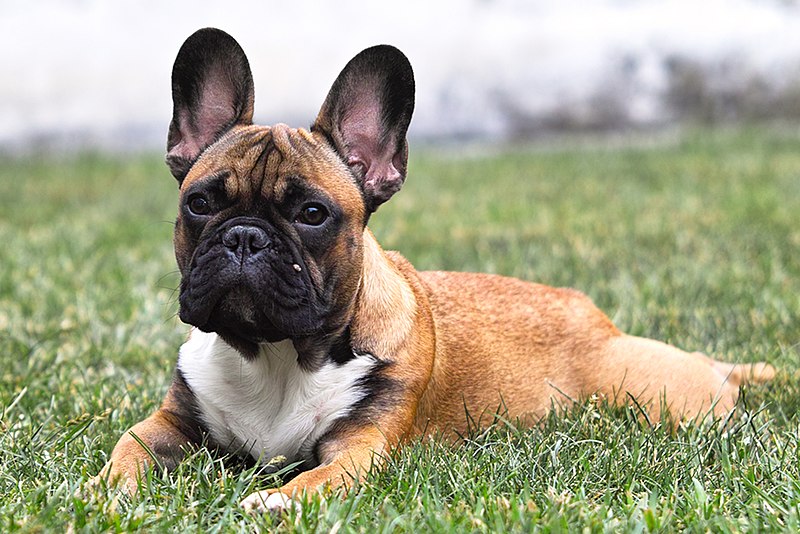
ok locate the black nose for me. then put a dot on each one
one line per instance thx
(245, 239)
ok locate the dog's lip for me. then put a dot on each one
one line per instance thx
(258, 334)
(193, 318)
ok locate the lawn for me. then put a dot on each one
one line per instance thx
(692, 239)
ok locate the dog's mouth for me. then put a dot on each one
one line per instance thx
(244, 325)
(234, 314)
(237, 314)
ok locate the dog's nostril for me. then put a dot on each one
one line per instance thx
(230, 239)
(258, 239)
(251, 238)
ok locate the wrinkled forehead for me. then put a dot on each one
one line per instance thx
(261, 161)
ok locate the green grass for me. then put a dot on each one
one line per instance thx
(694, 241)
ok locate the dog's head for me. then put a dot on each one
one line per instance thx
(269, 231)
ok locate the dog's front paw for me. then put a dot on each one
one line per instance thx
(262, 502)
(100, 488)
(110, 477)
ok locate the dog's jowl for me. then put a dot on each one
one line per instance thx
(310, 342)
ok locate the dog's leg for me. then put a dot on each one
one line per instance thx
(692, 383)
(166, 435)
(343, 461)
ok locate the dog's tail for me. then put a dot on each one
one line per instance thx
(745, 373)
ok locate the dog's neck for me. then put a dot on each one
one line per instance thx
(385, 305)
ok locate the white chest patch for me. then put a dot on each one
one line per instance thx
(269, 406)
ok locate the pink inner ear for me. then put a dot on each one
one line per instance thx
(189, 146)
(214, 112)
(369, 148)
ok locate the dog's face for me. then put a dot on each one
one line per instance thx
(269, 231)
(268, 237)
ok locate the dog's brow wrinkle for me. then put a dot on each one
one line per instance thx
(270, 176)
(305, 135)
(259, 170)
(231, 186)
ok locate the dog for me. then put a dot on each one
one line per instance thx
(311, 343)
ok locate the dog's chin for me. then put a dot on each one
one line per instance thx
(247, 339)
(244, 326)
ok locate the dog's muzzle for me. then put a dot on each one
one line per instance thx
(244, 282)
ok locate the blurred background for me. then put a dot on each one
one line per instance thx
(645, 152)
(94, 74)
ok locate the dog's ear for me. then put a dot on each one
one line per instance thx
(366, 116)
(212, 91)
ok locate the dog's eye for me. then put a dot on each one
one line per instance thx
(312, 215)
(198, 205)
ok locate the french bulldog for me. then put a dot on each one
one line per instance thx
(311, 343)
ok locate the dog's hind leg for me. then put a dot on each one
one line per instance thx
(657, 375)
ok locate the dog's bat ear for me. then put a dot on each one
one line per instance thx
(212, 91)
(366, 116)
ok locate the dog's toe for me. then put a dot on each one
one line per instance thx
(262, 502)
